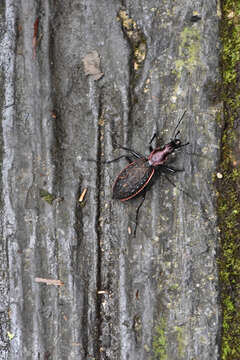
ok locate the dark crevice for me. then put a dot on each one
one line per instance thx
(4, 260)
(98, 228)
(58, 126)
(138, 49)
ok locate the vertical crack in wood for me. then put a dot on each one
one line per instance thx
(98, 228)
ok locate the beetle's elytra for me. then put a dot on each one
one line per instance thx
(132, 179)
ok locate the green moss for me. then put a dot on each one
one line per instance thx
(46, 196)
(180, 340)
(188, 50)
(229, 185)
(160, 341)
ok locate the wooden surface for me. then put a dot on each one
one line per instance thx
(117, 297)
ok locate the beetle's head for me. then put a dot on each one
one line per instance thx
(176, 143)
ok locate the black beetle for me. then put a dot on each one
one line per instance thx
(136, 177)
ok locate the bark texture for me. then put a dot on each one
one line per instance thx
(153, 296)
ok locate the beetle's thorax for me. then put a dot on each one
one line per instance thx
(159, 155)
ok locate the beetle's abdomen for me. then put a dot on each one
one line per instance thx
(132, 179)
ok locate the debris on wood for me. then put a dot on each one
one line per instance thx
(82, 196)
(91, 64)
(137, 294)
(10, 335)
(35, 36)
(100, 292)
(49, 281)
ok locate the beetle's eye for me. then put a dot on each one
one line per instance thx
(177, 142)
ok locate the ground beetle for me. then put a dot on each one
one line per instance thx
(136, 177)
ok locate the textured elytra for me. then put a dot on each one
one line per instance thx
(132, 179)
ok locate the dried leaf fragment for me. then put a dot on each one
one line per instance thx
(91, 64)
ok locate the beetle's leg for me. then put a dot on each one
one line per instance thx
(137, 212)
(133, 152)
(118, 158)
(170, 170)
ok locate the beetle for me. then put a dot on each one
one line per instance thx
(137, 176)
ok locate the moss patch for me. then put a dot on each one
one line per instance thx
(160, 341)
(229, 184)
(46, 196)
(180, 340)
(189, 49)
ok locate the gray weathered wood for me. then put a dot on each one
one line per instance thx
(153, 296)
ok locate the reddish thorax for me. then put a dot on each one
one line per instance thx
(159, 155)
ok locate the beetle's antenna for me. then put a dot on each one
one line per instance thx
(179, 121)
(184, 144)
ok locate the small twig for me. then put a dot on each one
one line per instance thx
(7, 106)
(49, 281)
(82, 196)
